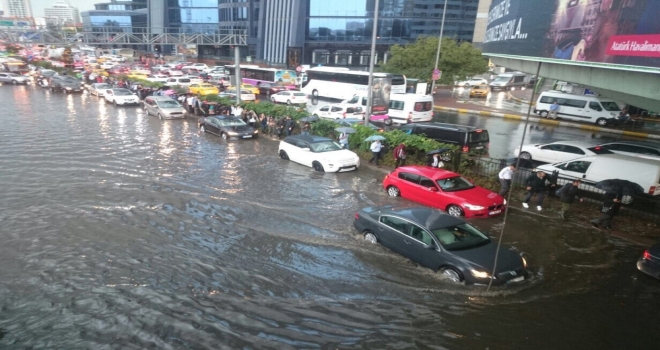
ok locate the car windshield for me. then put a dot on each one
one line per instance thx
(231, 122)
(298, 94)
(462, 236)
(325, 146)
(610, 106)
(478, 136)
(122, 92)
(454, 184)
(168, 104)
(501, 79)
(103, 86)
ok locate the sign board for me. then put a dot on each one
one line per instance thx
(7, 23)
(437, 74)
(380, 95)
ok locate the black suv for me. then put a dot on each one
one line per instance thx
(468, 138)
(65, 84)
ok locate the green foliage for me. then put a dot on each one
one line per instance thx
(275, 110)
(12, 48)
(417, 60)
(325, 127)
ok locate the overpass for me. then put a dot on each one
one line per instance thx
(116, 35)
(610, 47)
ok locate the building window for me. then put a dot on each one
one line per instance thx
(343, 58)
(364, 58)
(320, 56)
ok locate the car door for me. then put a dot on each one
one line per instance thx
(109, 95)
(576, 169)
(421, 248)
(213, 125)
(548, 153)
(336, 112)
(323, 111)
(568, 153)
(392, 232)
(429, 193)
(305, 154)
(408, 185)
(282, 96)
(4, 78)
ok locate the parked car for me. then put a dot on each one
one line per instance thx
(468, 138)
(213, 68)
(13, 78)
(158, 78)
(339, 111)
(194, 79)
(350, 122)
(270, 89)
(203, 89)
(442, 243)
(559, 151)
(108, 64)
(120, 96)
(640, 149)
(246, 95)
(320, 153)
(479, 91)
(164, 107)
(180, 65)
(171, 72)
(472, 82)
(649, 263)
(196, 66)
(181, 81)
(253, 89)
(289, 97)
(98, 89)
(227, 127)
(65, 83)
(444, 190)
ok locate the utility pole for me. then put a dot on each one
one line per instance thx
(437, 55)
(237, 72)
(374, 31)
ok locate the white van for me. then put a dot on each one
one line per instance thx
(509, 81)
(645, 172)
(577, 107)
(420, 107)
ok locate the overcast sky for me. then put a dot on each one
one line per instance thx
(82, 5)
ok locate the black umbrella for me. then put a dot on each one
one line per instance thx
(620, 187)
(311, 118)
(438, 151)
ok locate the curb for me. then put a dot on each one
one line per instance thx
(549, 122)
(519, 100)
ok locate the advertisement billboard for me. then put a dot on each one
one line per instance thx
(624, 32)
(381, 87)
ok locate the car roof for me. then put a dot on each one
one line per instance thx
(161, 98)
(448, 126)
(308, 138)
(425, 217)
(575, 143)
(635, 143)
(427, 171)
(612, 157)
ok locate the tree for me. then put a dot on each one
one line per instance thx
(417, 60)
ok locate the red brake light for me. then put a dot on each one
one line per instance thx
(478, 130)
(646, 255)
(357, 216)
(652, 190)
(466, 149)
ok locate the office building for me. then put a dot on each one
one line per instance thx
(127, 16)
(63, 13)
(481, 23)
(17, 8)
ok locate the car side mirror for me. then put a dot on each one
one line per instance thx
(433, 189)
(430, 246)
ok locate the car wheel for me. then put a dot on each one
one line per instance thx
(223, 135)
(14, 82)
(160, 116)
(315, 93)
(466, 85)
(544, 114)
(393, 191)
(318, 167)
(452, 275)
(283, 155)
(272, 100)
(601, 122)
(388, 122)
(288, 102)
(525, 156)
(454, 210)
(202, 128)
(370, 237)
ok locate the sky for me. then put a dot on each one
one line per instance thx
(82, 5)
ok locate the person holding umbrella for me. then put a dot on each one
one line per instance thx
(611, 205)
(614, 189)
(375, 151)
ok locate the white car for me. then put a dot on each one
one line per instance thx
(117, 58)
(194, 79)
(181, 81)
(108, 64)
(214, 68)
(289, 97)
(172, 72)
(338, 111)
(158, 78)
(196, 66)
(121, 97)
(472, 82)
(98, 89)
(246, 95)
(559, 151)
(641, 149)
(320, 153)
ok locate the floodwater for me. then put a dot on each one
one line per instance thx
(120, 231)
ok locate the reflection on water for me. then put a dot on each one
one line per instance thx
(127, 232)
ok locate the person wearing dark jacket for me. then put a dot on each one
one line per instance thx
(567, 196)
(537, 184)
(611, 205)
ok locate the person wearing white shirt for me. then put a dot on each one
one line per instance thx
(437, 163)
(375, 150)
(238, 111)
(506, 175)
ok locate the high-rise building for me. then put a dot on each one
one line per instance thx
(481, 23)
(124, 15)
(62, 13)
(17, 8)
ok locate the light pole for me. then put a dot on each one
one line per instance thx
(374, 31)
(437, 55)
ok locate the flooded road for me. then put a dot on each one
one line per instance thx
(120, 231)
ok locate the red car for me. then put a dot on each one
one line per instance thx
(444, 190)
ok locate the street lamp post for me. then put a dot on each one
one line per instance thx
(374, 31)
(437, 55)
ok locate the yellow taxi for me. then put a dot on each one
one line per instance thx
(102, 59)
(137, 75)
(203, 89)
(253, 89)
(479, 91)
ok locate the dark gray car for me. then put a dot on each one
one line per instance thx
(441, 242)
(65, 84)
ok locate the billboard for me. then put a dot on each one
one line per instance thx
(624, 32)
(380, 94)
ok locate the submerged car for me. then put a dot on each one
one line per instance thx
(479, 91)
(649, 263)
(440, 242)
(227, 127)
(65, 84)
(98, 89)
(164, 107)
(559, 151)
(121, 97)
(320, 153)
(444, 190)
(13, 78)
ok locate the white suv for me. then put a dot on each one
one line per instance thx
(338, 111)
(320, 153)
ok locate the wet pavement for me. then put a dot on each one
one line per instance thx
(120, 231)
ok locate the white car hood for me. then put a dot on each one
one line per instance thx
(126, 98)
(340, 155)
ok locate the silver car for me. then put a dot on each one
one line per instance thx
(13, 78)
(164, 107)
(97, 89)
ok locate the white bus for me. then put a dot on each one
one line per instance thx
(343, 84)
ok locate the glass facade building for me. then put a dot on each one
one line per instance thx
(124, 15)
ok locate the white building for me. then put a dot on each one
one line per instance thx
(17, 8)
(63, 12)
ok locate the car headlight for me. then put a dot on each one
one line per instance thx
(68, 88)
(524, 261)
(474, 207)
(256, 132)
(231, 133)
(479, 274)
(504, 201)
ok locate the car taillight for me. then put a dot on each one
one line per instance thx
(466, 149)
(357, 216)
(645, 256)
(652, 190)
